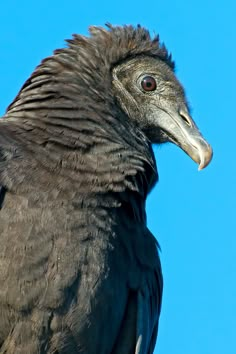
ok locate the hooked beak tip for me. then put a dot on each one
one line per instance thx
(205, 157)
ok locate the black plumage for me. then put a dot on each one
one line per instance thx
(79, 269)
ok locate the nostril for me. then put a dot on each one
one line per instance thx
(185, 118)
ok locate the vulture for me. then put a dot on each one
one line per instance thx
(79, 269)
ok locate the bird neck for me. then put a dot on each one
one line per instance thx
(72, 128)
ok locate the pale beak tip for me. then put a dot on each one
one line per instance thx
(200, 168)
(206, 158)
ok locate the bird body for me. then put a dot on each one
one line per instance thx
(79, 269)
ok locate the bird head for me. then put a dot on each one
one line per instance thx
(80, 77)
(150, 94)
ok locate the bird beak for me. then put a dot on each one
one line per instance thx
(182, 131)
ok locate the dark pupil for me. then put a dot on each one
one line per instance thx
(148, 83)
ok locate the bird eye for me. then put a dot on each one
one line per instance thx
(148, 83)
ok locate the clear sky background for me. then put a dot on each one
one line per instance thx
(191, 213)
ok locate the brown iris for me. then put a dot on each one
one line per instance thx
(149, 83)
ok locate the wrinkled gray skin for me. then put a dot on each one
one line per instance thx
(79, 269)
(165, 107)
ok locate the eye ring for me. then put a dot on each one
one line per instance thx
(148, 83)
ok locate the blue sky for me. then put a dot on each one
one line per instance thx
(191, 213)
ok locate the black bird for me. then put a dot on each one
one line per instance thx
(79, 269)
